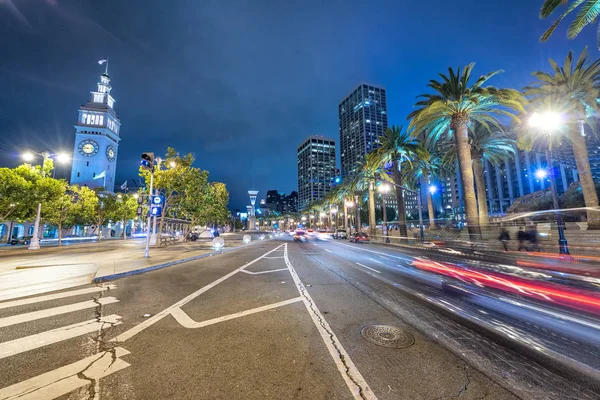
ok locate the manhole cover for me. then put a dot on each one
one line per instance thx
(387, 336)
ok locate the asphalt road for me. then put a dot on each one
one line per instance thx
(277, 320)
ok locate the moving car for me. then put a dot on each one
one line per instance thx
(359, 237)
(300, 236)
(23, 240)
(340, 234)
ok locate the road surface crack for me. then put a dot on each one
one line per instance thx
(463, 389)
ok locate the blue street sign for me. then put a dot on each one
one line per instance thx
(157, 200)
(155, 211)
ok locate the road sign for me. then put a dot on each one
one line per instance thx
(157, 200)
(156, 211)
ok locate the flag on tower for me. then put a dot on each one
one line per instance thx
(124, 186)
(102, 61)
(100, 175)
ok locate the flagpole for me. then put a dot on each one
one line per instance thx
(106, 69)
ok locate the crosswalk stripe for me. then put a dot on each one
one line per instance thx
(50, 312)
(65, 379)
(55, 296)
(42, 339)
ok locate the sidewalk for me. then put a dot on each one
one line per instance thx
(24, 273)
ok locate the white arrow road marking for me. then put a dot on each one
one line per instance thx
(56, 296)
(65, 379)
(364, 266)
(354, 380)
(264, 272)
(27, 343)
(50, 312)
(187, 322)
(151, 321)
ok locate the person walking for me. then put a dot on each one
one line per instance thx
(522, 237)
(504, 238)
(533, 239)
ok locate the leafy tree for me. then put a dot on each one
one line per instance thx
(15, 193)
(454, 104)
(573, 88)
(58, 208)
(397, 145)
(105, 209)
(125, 209)
(588, 13)
(85, 204)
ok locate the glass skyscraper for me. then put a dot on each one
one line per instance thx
(363, 119)
(316, 169)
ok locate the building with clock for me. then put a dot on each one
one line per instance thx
(96, 140)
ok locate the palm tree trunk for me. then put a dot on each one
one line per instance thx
(584, 171)
(400, 200)
(372, 223)
(484, 218)
(463, 149)
(430, 210)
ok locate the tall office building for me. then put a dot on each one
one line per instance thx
(363, 119)
(316, 169)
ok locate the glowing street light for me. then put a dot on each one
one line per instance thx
(136, 195)
(303, 218)
(62, 158)
(432, 189)
(172, 164)
(547, 121)
(384, 188)
(28, 156)
(541, 173)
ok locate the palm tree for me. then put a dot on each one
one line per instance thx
(363, 181)
(589, 11)
(397, 145)
(574, 88)
(486, 145)
(451, 108)
(426, 168)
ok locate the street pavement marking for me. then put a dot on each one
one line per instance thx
(329, 251)
(187, 322)
(364, 266)
(50, 312)
(354, 380)
(32, 342)
(264, 272)
(152, 320)
(375, 252)
(65, 379)
(62, 295)
(272, 258)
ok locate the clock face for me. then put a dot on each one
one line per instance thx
(88, 148)
(110, 153)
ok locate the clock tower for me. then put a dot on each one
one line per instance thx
(96, 140)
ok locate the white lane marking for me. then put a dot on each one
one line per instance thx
(63, 380)
(375, 260)
(50, 312)
(351, 375)
(264, 272)
(27, 343)
(152, 320)
(327, 250)
(272, 258)
(62, 295)
(364, 266)
(376, 252)
(187, 322)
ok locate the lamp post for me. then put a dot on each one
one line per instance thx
(34, 243)
(348, 204)
(548, 122)
(384, 189)
(332, 211)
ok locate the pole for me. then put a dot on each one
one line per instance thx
(147, 251)
(563, 247)
(385, 226)
(358, 227)
(422, 234)
(34, 244)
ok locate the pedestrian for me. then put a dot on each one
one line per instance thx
(522, 237)
(533, 239)
(504, 238)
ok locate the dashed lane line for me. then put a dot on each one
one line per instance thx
(364, 266)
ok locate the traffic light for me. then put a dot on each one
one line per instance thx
(377, 176)
(148, 161)
(337, 176)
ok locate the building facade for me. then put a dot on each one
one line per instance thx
(362, 120)
(316, 169)
(96, 140)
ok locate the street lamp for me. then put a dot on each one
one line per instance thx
(548, 122)
(172, 164)
(432, 189)
(34, 243)
(348, 204)
(384, 189)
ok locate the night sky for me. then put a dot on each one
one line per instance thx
(241, 83)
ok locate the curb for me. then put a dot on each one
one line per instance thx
(111, 277)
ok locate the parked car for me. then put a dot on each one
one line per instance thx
(340, 234)
(359, 237)
(23, 240)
